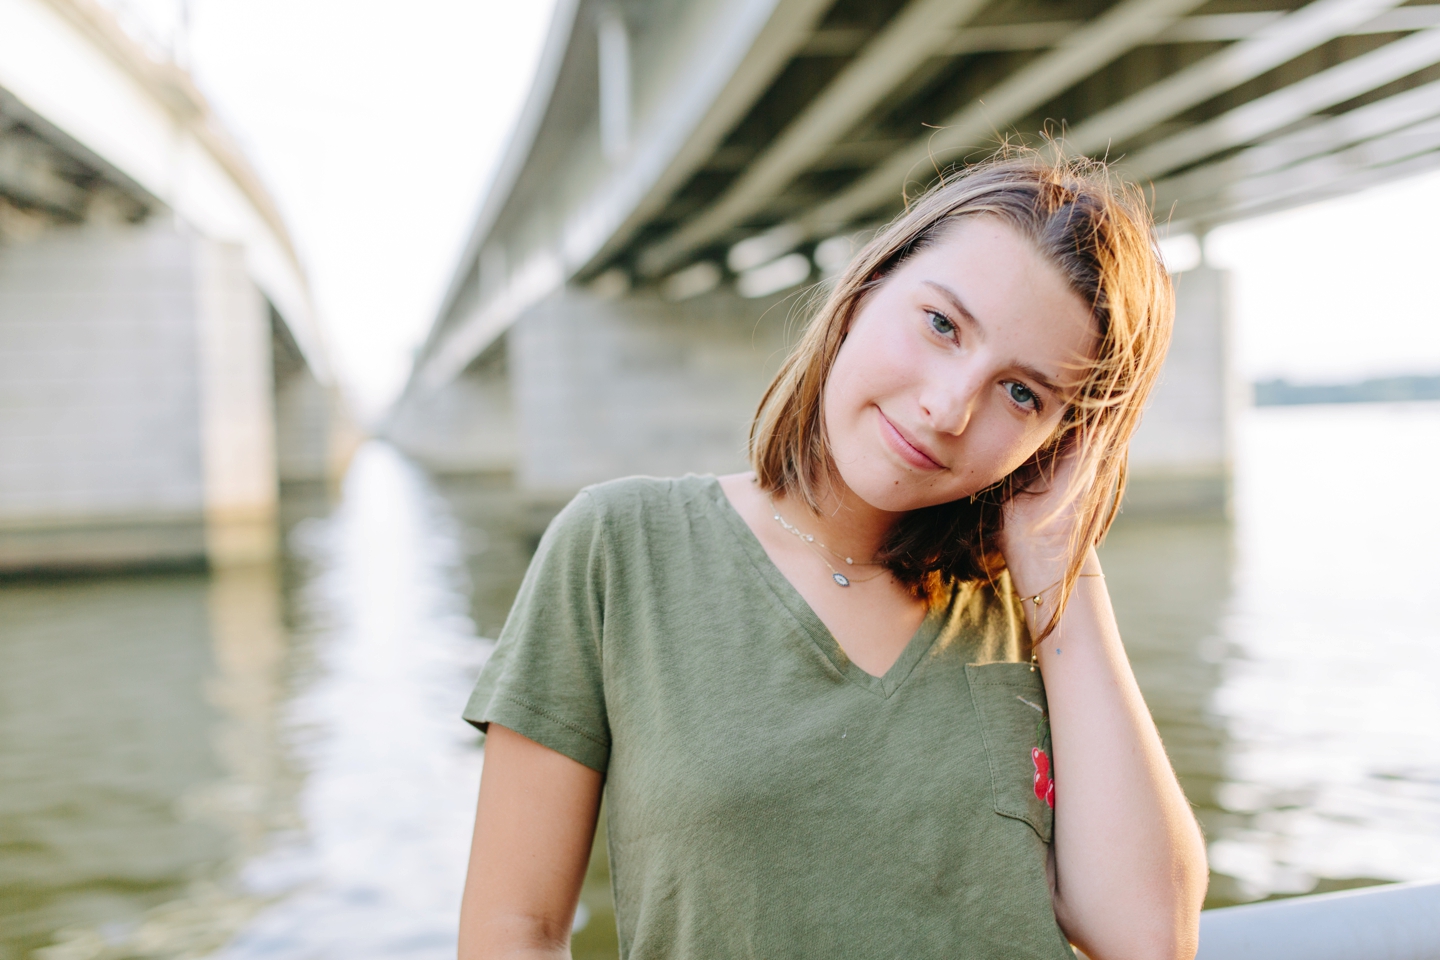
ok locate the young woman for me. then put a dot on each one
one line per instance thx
(809, 693)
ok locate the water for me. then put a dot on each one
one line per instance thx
(260, 762)
(268, 762)
(1330, 683)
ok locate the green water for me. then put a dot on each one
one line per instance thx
(106, 734)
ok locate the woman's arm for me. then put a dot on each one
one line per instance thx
(1130, 871)
(533, 829)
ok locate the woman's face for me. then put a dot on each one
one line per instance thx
(955, 370)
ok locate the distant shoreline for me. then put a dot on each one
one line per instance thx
(1283, 393)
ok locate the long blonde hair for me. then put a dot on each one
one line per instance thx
(1098, 232)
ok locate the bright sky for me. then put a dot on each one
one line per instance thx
(1339, 290)
(376, 125)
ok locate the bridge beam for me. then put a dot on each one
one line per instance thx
(1271, 46)
(1275, 111)
(922, 28)
(1208, 185)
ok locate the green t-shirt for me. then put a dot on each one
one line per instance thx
(766, 797)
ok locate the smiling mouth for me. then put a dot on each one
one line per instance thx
(908, 450)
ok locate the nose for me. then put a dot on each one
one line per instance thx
(948, 402)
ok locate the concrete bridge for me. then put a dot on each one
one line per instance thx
(681, 168)
(160, 366)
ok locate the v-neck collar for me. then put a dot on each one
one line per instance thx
(784, 591)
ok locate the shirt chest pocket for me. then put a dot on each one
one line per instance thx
(1010, 702)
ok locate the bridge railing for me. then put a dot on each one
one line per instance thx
(1391, 922)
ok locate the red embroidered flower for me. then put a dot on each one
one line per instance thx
(1044, 783)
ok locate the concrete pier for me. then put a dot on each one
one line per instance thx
(1180, 457)
(137, 408)
(468, 426)
(586, 388)
(639, 385)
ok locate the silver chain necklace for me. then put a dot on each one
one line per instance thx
(815, 545)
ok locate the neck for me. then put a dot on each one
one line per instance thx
(845, 523)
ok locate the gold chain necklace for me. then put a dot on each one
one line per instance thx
(807, 539)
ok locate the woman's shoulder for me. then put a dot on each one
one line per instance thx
(617, 509)
(631, 521)
(641, 495)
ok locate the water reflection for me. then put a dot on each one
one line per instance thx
(268, 762)
(104, 748)
(198, 763)
(1331, 680)
(1296, 677)
(381, 607)
(1170, 581)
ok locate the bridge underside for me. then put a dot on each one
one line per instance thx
(1227, 108)
(674, 157)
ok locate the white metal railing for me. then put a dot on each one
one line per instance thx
(1392, 922)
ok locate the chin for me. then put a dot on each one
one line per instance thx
(900, 491)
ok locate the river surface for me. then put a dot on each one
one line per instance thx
(269, 762)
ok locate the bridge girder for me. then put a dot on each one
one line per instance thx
(89, 120)
(56, 179)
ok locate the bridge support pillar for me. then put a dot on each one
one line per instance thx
(137, 408)
(1180, 456)
(468, 426)
(637, 384)
(314, 435)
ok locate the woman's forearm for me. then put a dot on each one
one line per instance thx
(1130, 866)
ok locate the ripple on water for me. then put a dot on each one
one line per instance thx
(1294, 664)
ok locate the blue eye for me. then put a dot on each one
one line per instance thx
(1022, 395)
(941, 324)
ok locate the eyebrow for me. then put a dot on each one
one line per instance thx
(964, 312)
(955, 302)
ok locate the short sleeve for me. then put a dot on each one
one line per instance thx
(544, 679)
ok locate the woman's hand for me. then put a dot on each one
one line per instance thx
(1040, 526)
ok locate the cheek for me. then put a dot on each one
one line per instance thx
(874, 361)
(842, 404)
(1016, 454)
(1009, 450)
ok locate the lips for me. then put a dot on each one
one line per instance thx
(907, 448)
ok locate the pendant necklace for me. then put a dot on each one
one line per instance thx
(815, 545)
